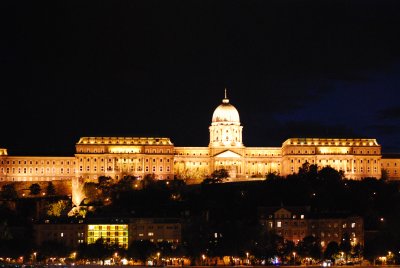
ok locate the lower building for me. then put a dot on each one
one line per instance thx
(70, 233)
(296, 223)
(155, 230)
(121, 232)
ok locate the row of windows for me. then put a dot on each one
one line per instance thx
(107, 233)
(36, 170)
(285, 216)
(131, 169)
(34, 178)
(191, 154)
(334, 161)
(147, 151)
(280, 224)
(125, 160)
(388, 164)
(265, 154)
(348, 169)
(20, 162)
(333, 152)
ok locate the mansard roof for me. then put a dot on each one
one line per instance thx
(125, 141)
(331, 142)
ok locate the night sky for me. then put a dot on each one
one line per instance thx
(297, 68)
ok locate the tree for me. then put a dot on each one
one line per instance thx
(58, 208)
(310, 246)
(91, 191)
(96, 250)
(8, 192)
(35, 189)
(307, 171)
(125, 184)
(332, 249)
(142, 249)
(345, 245)
(220, 174)
(217, 176)
(384, 174)
(149, 180)
(104, 184)
(50, 189)
(53, 248)
(272, 176)
(330, 175)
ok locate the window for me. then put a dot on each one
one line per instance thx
(279, 224)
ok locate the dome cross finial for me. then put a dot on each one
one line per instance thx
(225, 100)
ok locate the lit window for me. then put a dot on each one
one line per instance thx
(353, 225)
(150, 234)
(62, 234)
(279, 224)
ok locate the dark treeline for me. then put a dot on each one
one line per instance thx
(221, 218)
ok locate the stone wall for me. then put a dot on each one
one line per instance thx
(62, 187)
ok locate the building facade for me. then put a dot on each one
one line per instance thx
(121, 232)
(139, 156)
(296, 223)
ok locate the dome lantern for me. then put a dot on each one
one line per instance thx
(225, 129)
(225, 114)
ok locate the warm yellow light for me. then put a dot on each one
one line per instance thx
(114, 233)
(124, 149)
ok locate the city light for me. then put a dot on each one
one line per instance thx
(294, 258)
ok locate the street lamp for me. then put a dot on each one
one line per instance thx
(294, 258)
(34, 256)
(204, 258)
(247, 255)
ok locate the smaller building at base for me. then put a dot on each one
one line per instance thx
(296, 223)
(118, 231)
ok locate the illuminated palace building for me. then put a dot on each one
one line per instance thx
(138, 156)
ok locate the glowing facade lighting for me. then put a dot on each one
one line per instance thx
(110, 233)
